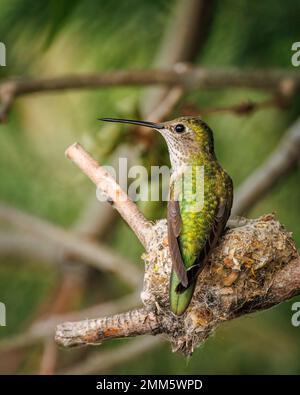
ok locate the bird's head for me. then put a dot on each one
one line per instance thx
(186, 137)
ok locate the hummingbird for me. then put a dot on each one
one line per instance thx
(195, 218)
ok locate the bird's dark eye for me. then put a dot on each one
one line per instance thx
(179, 128)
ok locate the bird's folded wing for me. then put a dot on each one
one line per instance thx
(174, 227)
(221, 216)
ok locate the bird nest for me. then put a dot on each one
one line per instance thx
(235, 280)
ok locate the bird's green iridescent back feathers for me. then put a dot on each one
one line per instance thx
(200, 229)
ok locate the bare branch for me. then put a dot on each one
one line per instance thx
(44, 328)
(115, 195)
(97, 216)
(106, 360)
(24, 245)
(254, 267)
(276, 166)
(244, 108)
(94, 254)
(190, 78)
(133, 323)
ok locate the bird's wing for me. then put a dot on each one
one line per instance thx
(221, 216)
(174, 228)
(184, 274)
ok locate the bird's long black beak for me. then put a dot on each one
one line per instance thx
(133, 122)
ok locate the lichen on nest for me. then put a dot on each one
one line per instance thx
(239, 270)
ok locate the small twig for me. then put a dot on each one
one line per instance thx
(276, 166)
(115, 195)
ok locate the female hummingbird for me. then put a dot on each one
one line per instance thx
(196, 216)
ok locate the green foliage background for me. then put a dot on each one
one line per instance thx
(56, 37)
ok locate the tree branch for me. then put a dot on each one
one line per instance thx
(276, 166)
(189, 78)
(255, 266)
(244, 108)
(44, 328)
(23, 245)
(106, 360)
(94, 254)
(133, 323)
(115, 195)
